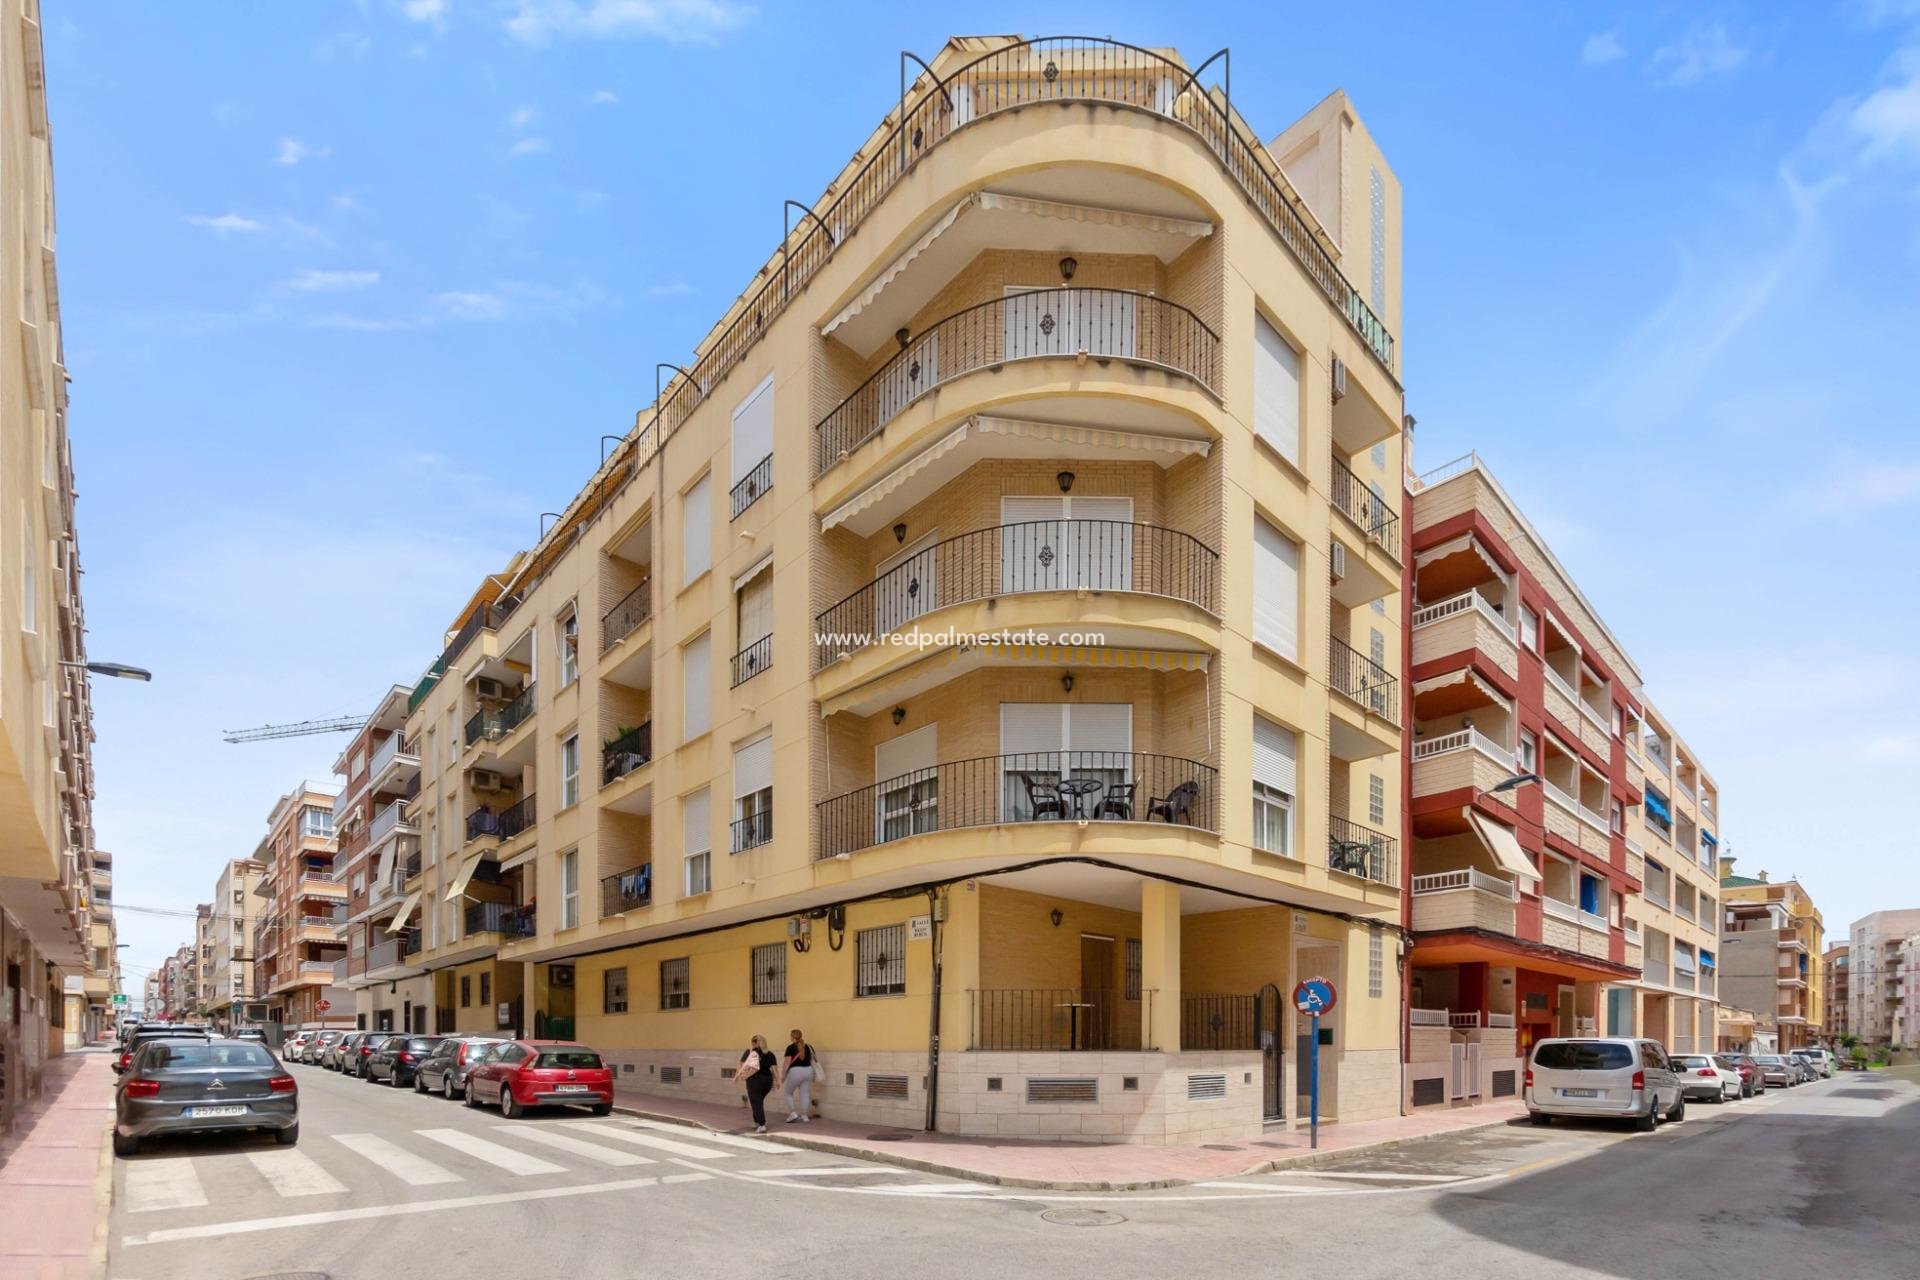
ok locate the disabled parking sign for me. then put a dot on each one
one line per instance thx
(1314, 996)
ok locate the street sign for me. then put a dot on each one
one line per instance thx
(1314, 996)
(322, 1005)
(119, 999)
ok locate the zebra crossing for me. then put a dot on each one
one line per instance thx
(438, 1156)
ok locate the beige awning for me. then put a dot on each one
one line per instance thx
(1454, 546)
(467, 869)
(1504, 846)
(405, 913)
(893, 269)
(1092, 437)
(890, 483)
(1462, 676)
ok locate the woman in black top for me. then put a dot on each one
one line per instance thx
(800, 1071)
(756, 1076)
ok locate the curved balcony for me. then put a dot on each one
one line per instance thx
(1020, 559)
(1035, 786)
(1038, 324)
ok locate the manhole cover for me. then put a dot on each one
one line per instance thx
(1220, 1146)
(1082, 1218)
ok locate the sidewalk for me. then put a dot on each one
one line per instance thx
(1070, 1166)
(56, 1173)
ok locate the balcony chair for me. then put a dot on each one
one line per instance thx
(1117, 804)
(1175, 805)
(1043, 799)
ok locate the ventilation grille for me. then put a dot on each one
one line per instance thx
(1431, 1092)
(1063, 1089)
(1503, 1084)
(894, 1087)
(670, 1075)
(1201, 1088)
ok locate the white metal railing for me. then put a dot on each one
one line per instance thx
(1466, 878)
(1633, 846)
(1463, 1019)
(1599, 718)
(1594, 818)
(1560, 910)
(386, 821)
(1656, 895)
(385, 754)
(1427, 1017)
(1500, 1020)
(1592, 920)
(1559, 797)
(1453, 606)
(1447, 470)
(1462, 740)
(1559, 682)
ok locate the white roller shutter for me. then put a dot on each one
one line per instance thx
(1100, 726)
(753, 767)
(1276, 390)
(696, 686)
(1276, 590)
(1274, 755)
(753, 429)
(908, 753)
(696, 836)
(1032, 726)
(696, 522)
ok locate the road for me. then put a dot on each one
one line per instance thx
(387, 1183)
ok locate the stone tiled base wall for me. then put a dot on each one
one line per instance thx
(707, 1076)
(1138, 1097)
(1495, 1059)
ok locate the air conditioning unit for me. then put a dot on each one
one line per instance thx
(486, 780)
(1339, 379)
(1337, 561)
(488, 687)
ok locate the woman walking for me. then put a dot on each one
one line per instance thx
(756, 1080)
(800, 1071)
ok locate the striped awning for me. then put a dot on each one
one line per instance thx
(890, 483)
(459, 886)
(1454, 546)
(399, 922)
(1465, 677)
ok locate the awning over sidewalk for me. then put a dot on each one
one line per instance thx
(405, 913)
(1504, 846)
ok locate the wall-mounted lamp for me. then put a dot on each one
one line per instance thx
(899, 714)
(1066, 480)
(901, 335)
(900, 532)
(1056, 917)
(1067, 267)
(1066, 682)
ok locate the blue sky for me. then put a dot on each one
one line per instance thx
(352, 291)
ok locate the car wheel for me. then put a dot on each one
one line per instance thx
(446, 1086)
(1647, 1122)
(473, 1099)
(1539, 1117)
(602, 1108)
(1679, 1111)
(288, 1136)
(125, 1146)
(419, 1083)
(509, 1108)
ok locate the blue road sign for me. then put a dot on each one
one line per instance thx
(1313, 996)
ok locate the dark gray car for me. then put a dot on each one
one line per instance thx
(203, 1086)
(445, 1069)
(396, 1061)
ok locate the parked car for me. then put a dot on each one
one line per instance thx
(396, 1061)
(1775, 1069)
(1820, 1060)
(536, 1073)
(1602, 1077)
(1703, 1077)
(343, 1049)
(290, 1048)
(318, 1044)
(357, 1065)
(445, 1069)
(254, 1034)
(145, 1035)
(182, 1085)
(1751, 1079)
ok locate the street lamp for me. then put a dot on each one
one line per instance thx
(119, 669)
(1517, 780)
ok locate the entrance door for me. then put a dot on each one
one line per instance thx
(560, 1001)
(1269, 1020)
(1095, 1022)
(1564, 1016)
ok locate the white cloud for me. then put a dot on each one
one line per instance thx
(346, 202)
(293, 151)
(1888, 120)
(429, 11)
(225, 223)
(537, 21)
(1861, 488)
(308, 280)
(1601, 49)
(362, 324)
(673, 289)
(462, 304)
(604, 98)
(522, 117)
(1704, 49)
(529, 147)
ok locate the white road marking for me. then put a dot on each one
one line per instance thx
(1376, 1177)
(625, 1133)
(293, 1173)
(163, 1184)
(516, 1162)
(401, 1163)
(563, 1142)
(1278, 1187)
(920, 1188)
(827, 1173)
(761, 1145)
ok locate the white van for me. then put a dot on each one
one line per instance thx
(1602, 1077)
(1824, 1063)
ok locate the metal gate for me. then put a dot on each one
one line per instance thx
(1463, 1077)
(1269, 1013)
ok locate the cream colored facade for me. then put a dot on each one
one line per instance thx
(1772, 940)
(232, 999)
(1674, 919)
(47, 910)
(1088, 404)
(1877, 980)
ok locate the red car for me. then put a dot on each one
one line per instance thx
(539, 1073)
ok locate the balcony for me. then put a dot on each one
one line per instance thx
(390, 820)
(1039, 786)
(1465, 898)
(483, 823)
(1657, 894)
(1363, 681)
(393, 950)
(751, 831)
(1362, 852)
(1462, 758)
(753, 486)
(506, 918)
(626, 616)
(1020, 559)
(627, 890)
(425, 685)
(320, 884)
(395, 756)
(1064, 323)
(1373, 514)
(752, 660)
(626, 753)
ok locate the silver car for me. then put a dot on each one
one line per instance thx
(1602, 1077)
(444, 1071)
(204, 1086)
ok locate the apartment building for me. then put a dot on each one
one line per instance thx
(47, 911)
(293, 939)
(1673, 842)
(1836, 971)
(985, 656)
(1521, 785)
(1771, 939)
(90, 1011)
(232, 999)
(1878, 976)
(151, 999)
(379, 851)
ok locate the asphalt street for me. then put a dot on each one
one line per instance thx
(388, 1183)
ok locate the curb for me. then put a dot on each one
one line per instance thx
(882, 1156)
(103, 1193)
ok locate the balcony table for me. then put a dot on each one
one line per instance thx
(1077, 788)
(1073, 1009)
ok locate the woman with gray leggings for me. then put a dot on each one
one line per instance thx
(800, 1069)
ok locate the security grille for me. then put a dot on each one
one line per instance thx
(770, 973)
(890, 1087)
(1431, 1092)
(676, 985)
(1133, 969)
(670, 1075)
(1068, 1088)
(1503, 1084)
(1205, 1087)
(881, 961)
(614, 994)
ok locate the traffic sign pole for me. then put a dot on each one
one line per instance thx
(1313, 1089)
(1313, 997)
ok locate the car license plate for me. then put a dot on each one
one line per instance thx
(203, 1113)
(570, 1088)
(1579, 1093)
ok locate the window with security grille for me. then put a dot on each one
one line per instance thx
(486, 990)
(614, 993)
(676, 984)
(1376, 799)
(1133, 969)
(466, 991)
(880, 961)
(770, 973)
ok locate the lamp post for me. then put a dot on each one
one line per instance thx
(119, 670)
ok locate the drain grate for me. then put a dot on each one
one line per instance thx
(1082, 1218)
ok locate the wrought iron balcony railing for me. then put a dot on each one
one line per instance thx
(1371, 511)
(509, 918)
(626, 753)
(753, 486)
(1363, 680)
(620, 621)
(752, 831)
(1361, 851)
(626, 890)
(752, 660)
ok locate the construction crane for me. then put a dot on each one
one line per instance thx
(339, 724)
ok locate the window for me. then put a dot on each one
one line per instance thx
(1618, 720)
(752, 794)
(907, 798)
(1376, 799)
(569, 648)
(1589, 894)
(1380, 456)
(570, 889)
(466, 991)
(1379, 605)
(696, 517)
(770, 973)
(317, 823)
(356, 764)
(570, 770)
(753, 622)
(696, 844)
(1276, 390)
(1377, 648)
(453, 735)
(1274, 754)
(1376, 964)
(676, 984)
(1529, 752)
(1529, 629)
(1042, 742)
(486, 988)
(1276, 590)
(29, 592)
(880, 961)
(1132, 989)
(696, 687)
(1617, 819)
(613, 990)
(753, 429)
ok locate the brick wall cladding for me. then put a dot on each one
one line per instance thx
(625, 842)
(1021, 949)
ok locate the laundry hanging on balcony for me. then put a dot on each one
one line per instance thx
(637, 883)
